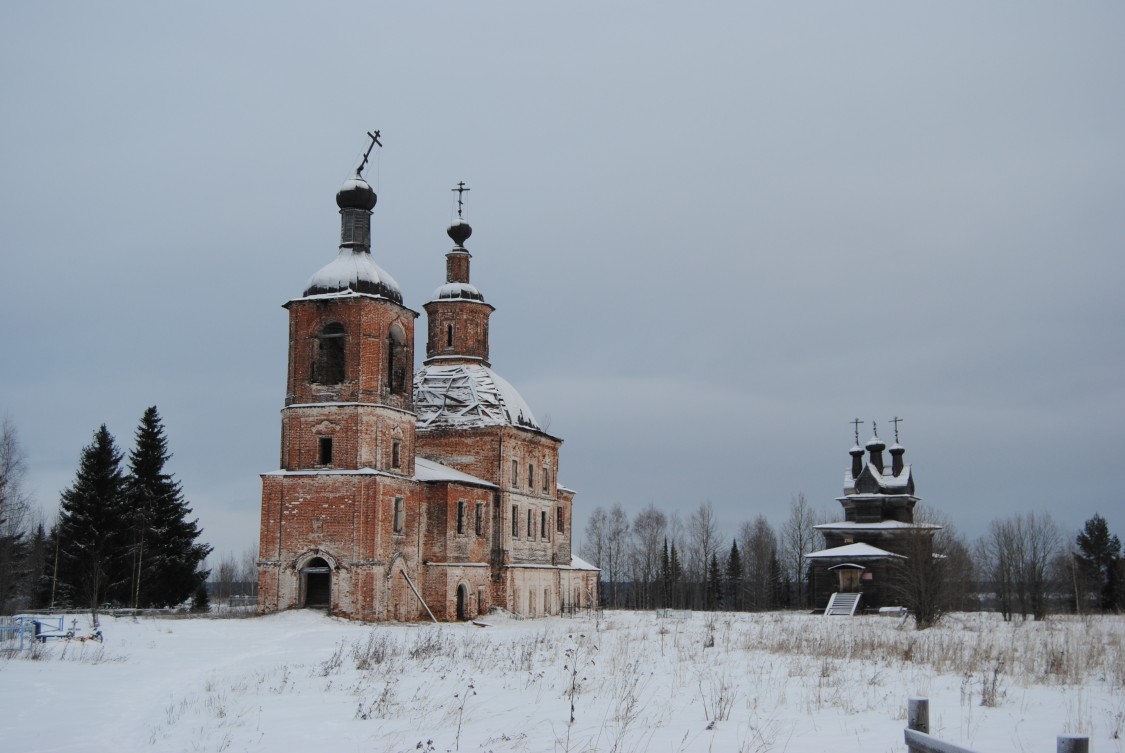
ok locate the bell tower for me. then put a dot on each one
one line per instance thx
(349, 399)
(456, 314)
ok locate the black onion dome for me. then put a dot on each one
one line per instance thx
(356, 194)
(876, 444)
(459, 232)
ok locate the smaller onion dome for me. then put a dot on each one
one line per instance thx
(875, 444)
(457, 291)
(897, 449)
(356, 193)
(856, 450)
(459, 232)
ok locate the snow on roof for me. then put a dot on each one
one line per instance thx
(577, 563)
(459, 291)
(853, 551)
(882, 525)
(353, 270)
(468, 395)
(886, 481)
(429, 470)
(331, 472)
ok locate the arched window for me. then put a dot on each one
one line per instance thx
(449, 335)
(397, 359)
(328, 368)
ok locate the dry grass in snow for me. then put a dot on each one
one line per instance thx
(626, 682)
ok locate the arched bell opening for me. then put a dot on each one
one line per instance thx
(316, 584)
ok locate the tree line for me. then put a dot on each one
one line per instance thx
(124, 535)
(1022, 566)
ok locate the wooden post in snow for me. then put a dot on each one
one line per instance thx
(918, 715)
(917, 719)
(1073, 744)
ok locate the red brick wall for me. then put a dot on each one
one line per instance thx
(470, 329)
(367, 323)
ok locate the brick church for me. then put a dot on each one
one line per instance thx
(404, 494)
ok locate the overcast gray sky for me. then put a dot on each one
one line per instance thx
(714, 234)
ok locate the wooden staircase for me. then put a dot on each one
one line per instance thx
(842, 605)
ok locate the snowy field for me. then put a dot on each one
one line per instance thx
(303, 682)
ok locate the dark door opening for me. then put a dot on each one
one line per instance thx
(318, 584)
(462, 602)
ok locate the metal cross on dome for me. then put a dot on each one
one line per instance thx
(461, 189)
(857, 423)
(374, 136)
(896, 421)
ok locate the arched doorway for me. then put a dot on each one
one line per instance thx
(462, 602)
(316, 578)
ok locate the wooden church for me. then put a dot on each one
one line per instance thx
(856, 570)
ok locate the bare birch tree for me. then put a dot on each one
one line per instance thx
(759, 546)
(798, 538)
(649, 530)
(1016, 555)
(594, 546)
(617, 548)
(15, 524)
(703, 536)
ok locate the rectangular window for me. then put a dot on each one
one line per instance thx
(396, 453)
(546, 480)
(530, 476)
(530, 525)
(400, 514)
(515, 521)
(480, 519)
(324, 450)
(460, 516)
(543, 524)
(515, 473)
(559, 519)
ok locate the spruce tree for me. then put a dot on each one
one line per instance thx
(734, 577)
(675, 573)
(778, 597)
(200, 600)
(164, 557)
(665, 575)
(92, 532)
(714, 585)
(1099, 553)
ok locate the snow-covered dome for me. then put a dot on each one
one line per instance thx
(354, 270)
(457, 291)
(466, 396)
(356, 193)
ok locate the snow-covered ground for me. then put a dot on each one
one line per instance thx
(303, 682)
